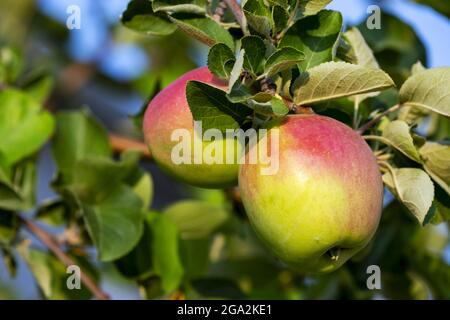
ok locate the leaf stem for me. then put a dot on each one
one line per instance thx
(54, 247)
(289, 24)
(238, 14)
(355, 113)
(377, 119)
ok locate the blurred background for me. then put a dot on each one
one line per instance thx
(112, 71)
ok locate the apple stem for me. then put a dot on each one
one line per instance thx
(334, 253)
(377, 119)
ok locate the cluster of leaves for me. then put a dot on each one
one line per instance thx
(278, 56)
(281, 55)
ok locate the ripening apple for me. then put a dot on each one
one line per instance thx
(169, 111)
(324, 203)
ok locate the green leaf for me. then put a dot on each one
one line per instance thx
(361, 50)
(97, 176)
(39, 264)
(239, 93)
(282, 59)
(428, 89)
(334, 80)
(396, 46)
(10, 197)
(315, 36)
(139, 16)
(26, 176)
(40, 88)
(9, 260)
(218, 288)
(417, 68)
(414, 188)
(11, 64)
(166, 255)
(436, 158)
(398, 134)
(280, 18)
(111, 196)
(144, 189)
(442, 205)
(311, 7)
(211, 106)
(203, 29)
(9, 225)
(18, 194)
(221, 60)
(78, 136)
(138, 263)
(258, 16)
(237, 70)
(115, 223)
(193, 6)
(274, 107)
(195, 257)
(434, 269)
(412, 115)
(255, 51)
(24, 127)
(363, 56)
(196, 219)
(53, 212)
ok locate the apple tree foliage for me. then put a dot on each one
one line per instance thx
(279, 57)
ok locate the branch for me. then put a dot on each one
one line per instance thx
(120, 144)
(53, 246)
(374, 121)
(238, 14)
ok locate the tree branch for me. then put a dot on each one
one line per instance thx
(120, 144)
(53, 246)
(375, 120)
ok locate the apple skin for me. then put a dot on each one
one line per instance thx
(169, 110)
(327, 194)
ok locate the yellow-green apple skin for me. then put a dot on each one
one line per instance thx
(168, 111)
(324, 203)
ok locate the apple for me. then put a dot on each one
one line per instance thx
(324, 203)
(169, 111)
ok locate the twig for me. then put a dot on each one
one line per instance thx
(355, 113)
(53, 246)
(121, 144)
(220, 11)
(374, 121)
(238, 14)
(290, 22)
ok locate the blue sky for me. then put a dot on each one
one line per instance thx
(125, 61)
